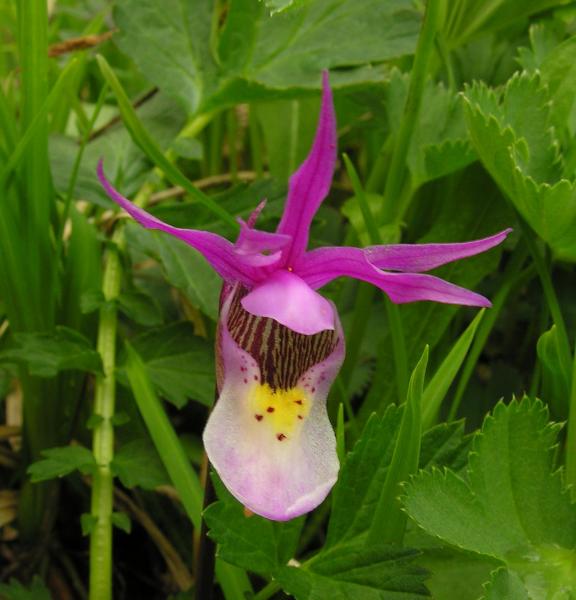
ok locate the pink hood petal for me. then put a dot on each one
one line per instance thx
(310, 184)
(286, 298)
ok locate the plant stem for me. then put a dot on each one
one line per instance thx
(207, 548)
(103, 438)
(571, 435)
(268, 591)
(397, 172)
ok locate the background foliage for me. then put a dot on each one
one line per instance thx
(457, 429)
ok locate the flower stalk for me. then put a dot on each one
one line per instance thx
(103, 437)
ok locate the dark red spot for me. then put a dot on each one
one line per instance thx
(280, 437)
(243, 369)
(258, 417)
(245, 380)
(270, 409)
(298, 402)
(313, 390)
(300, 417)
(255, 377)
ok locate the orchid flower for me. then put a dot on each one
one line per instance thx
(280, 343)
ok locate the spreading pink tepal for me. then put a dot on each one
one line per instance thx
(280, 343)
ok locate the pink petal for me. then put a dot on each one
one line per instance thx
(218, 251)
(310, 184)
(261, 248)
(321, 266)
(286, 298)
(415, 258)
(283, 468)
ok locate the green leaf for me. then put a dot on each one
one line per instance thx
(45, 354)
(361, 478)
(141, 308)
(514, 139)
(17, 591)
(352, 571)
(88, 523)
(504, 585)
(183, 267)
(556, 375)
(122, 521)
(439, 385)
(137, 464)
(251, 542)
(59, 462)
(511, 505)
(170, 43)
(389, 522)
(179, 363)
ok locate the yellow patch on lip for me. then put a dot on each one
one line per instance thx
(282, 410)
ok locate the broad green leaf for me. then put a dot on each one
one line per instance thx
(137, 464)
(140, 307)
(288, 128)
(514, 139)
(504, 585)
(170, 43)
(260, 54)
(17, 591)
(184, 267)
(389, 522)
(276, 6)
(511, 505)
(58, 462)
(251, 542)
(45, 354)
(179, 363)
(353, 571)
(439, 385)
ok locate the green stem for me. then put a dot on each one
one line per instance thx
(397, 172)
(256, 144)
(103, 438)
(232, 131)
(551, 298)
(571, 436)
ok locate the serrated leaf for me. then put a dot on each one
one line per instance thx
(511, 506)
(251, 542)
(514, 139)
(122, 521)
(17, 591)
(361, 477)
(45, 354)
(137, 464)
(354, 571)
(58, 462)
(504, 585)
(179, 363)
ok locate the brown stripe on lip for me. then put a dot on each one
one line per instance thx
(282, 354)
